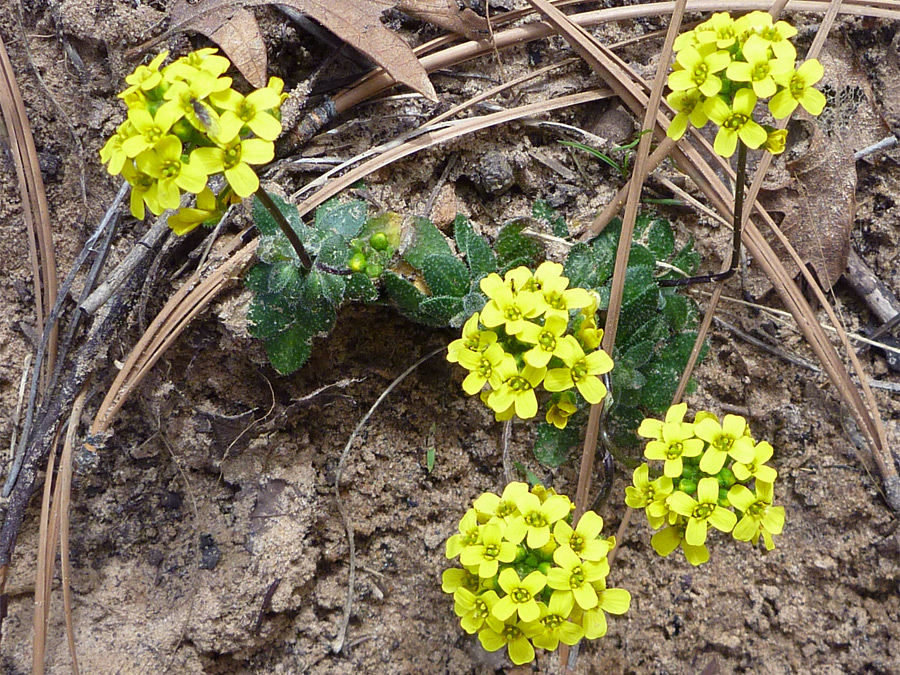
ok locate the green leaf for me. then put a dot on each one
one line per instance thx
(474, 302)
(361, 288)
(426, 240)
(638, 354)
(257, 279)
(677, 311)
(446, 275)
(439, 310)
(580, 267)
(687, 260)
(389, 223)
(345, 218)
(406, 296)
(542, 211)
(660, 238)
(663, 376)
(289, 349)
(268, 315)
(477, 252)
(514, 249)
(553, 445)
(285, 279)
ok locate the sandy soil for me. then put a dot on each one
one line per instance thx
(207, 540)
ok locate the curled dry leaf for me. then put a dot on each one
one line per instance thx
(356, 22)
(448, 15)
(814, 190)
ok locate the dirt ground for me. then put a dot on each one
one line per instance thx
(208, 540)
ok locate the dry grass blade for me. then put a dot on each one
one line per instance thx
(47, 533)
(34, 200)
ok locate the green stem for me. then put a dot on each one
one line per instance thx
(286, 228)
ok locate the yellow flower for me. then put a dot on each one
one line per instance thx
(511, 634)
(776, 140)
(573, 576)
(612, 600)
(581, 371)
(188, 219)
(798, 90)
(756, 467)
(735, 122)
(473, 339)
(143, 191)
(187, 98)
(559, 413)
(719, 29)
(585, 539)
(651, 428)
(520, 595)
(777, 35)
(724, 440)
(489, 552)
(554, 623)
(667, 540)
(688, 106)
(163, 162)
(649, 495)
(760, 517)
(677, 441)
(758, 68)
(233, 157)
(503, 507)
(702, 512)
(113, 152)
(536, 518)
(145, 78)
(558, 299)
(473, 609)
(149, 129)
(698, 68)
(484, 367)
(516, 388)
(469, 533)
(546, 340)
(251, 110)
(507, 308)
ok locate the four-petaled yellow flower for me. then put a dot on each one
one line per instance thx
(164, 163)
(555, 626)
(559, 413)
(468, 534)
(724, 440)
(798, 90)
(507, 308)
(702, 512)
(574, 576)
(510, 634)
(504, 506)
(612, 600)
(520, 595)
(649, 495)
(492, 551)
(699, 66)
(760, 517)
(581, 371)
(189, 218)
(735, 122)
(585, 539)
(536, 518)
(756, 467)
(516, 388)
(484, 367)
(759, 70)
(473, 339)
(667, 540)
(473, 609)
(678, 441)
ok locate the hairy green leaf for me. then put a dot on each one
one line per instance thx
(553, 446)
(477, 252)
(426, 240)
(446, 275)
(514, 249)
(289, 350)
(340, 217)
(542, 211)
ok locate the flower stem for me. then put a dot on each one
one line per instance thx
(740, 179)
(286, 228)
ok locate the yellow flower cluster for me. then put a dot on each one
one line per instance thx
(529, 579)
(521, 340)
(724, 66)
(185, 123)
(708, 467)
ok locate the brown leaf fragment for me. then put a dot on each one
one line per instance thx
(448, 15)
(238, 34)
(356, 22)
(817, 202)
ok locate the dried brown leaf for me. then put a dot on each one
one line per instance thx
(238, 34)
(356, 22)
(448, 15)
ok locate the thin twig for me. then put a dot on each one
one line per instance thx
(338, 644)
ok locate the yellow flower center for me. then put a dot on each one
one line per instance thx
(576, 543)
(485, 369)
(555, 300)
(797, 86)
(674, 450)
(511, 633)
(519, 384)
(520, 596)
(153, 134)
(512, 313)
(491, 551)
(579, 371)
(505, 509)
(703, 511)
(577, 578)
(245, 111)
(143, 182)
(547, 341)
(701, 71)
(760, 72)
(723, 443)
(757, 510)
(170, 169)
(536, 520)
(552, 621)
(232, 156)
(735, 121)
(480, 610)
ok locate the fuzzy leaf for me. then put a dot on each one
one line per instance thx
(290, 349)
(478, 253)
(425, 240)
(257, 279)
(660, 238)
(403, 293)
(676, 310)
(553, 446)
(361, 289)
(340, 217)
(285, 279)
(439, 310)
(269, 315)
(266, 224)
(446, 275)
(389, 223)
(542, 211)
(514, 249)
(474, 302)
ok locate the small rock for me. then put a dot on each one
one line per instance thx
(494, 174)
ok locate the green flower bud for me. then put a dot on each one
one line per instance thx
(379, 241)
(726, 478)
(687, 486)
(723, 497)
(358, 262)
(374, 270)
(521, 553)
(544, 567)
(532, 561)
